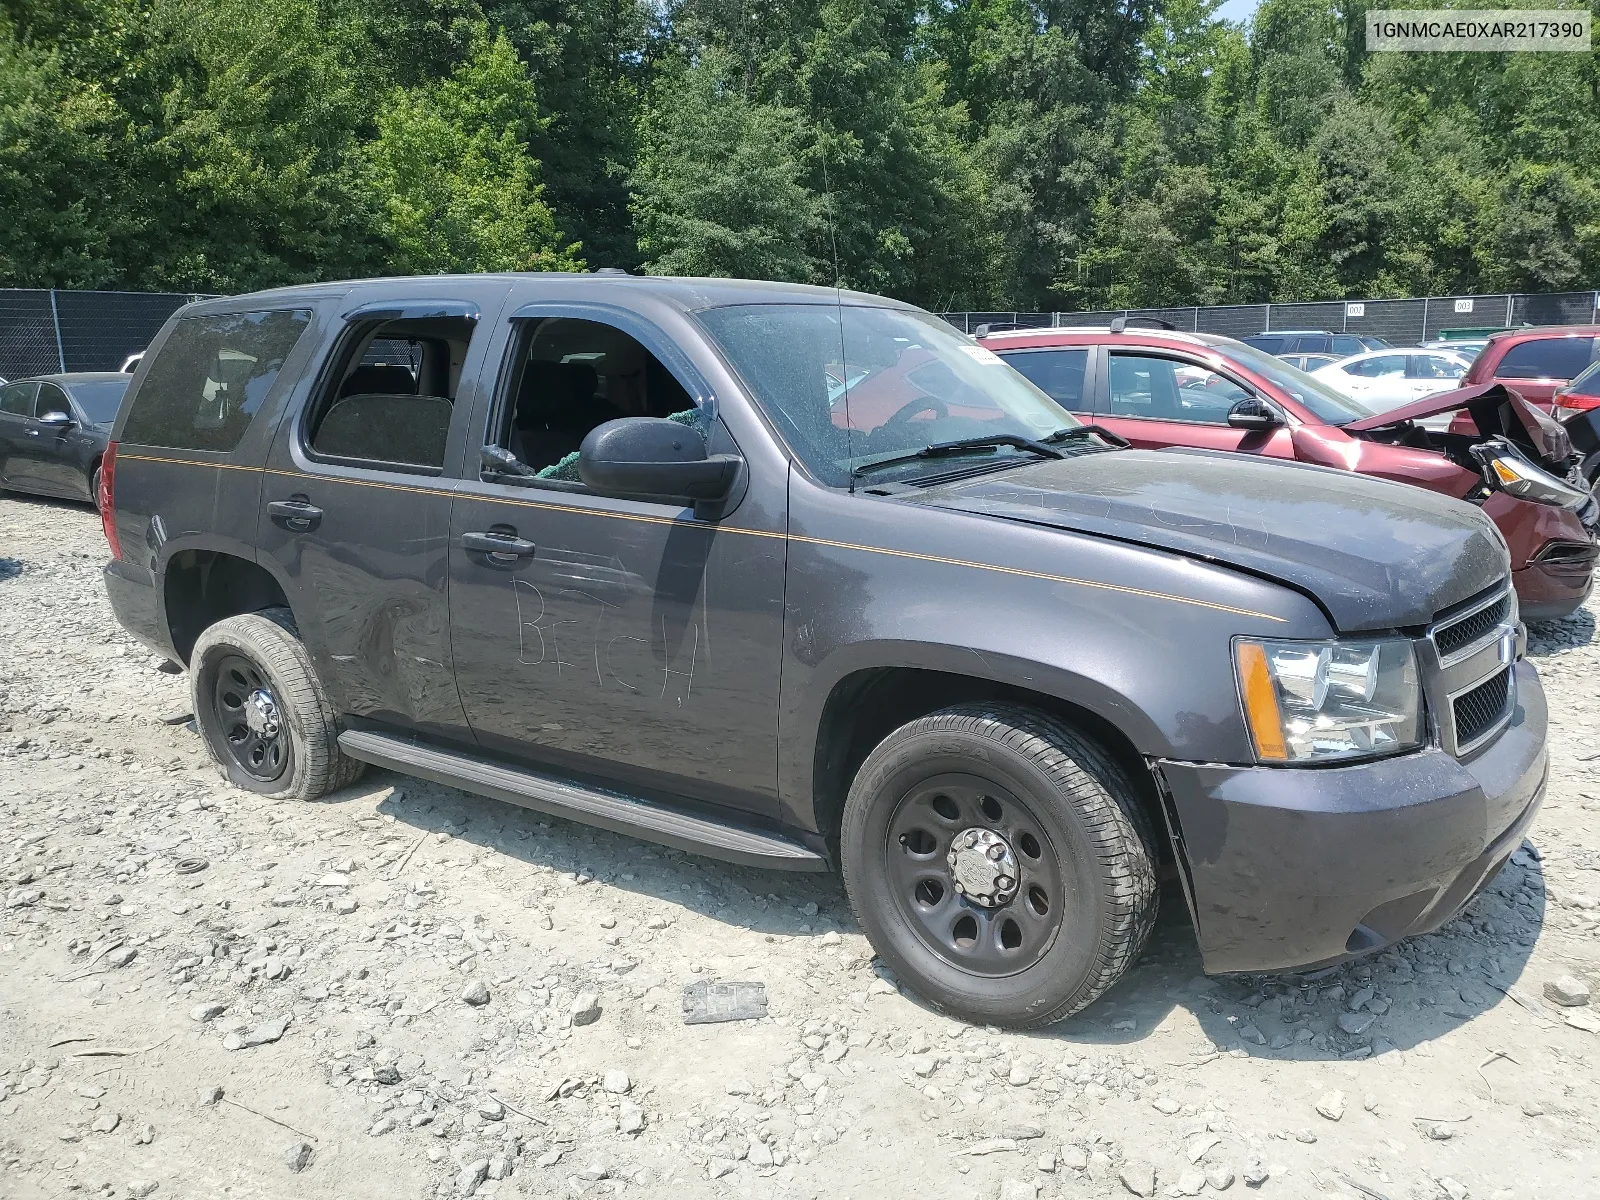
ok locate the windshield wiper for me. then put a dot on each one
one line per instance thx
(987, 442)
(1074, 432)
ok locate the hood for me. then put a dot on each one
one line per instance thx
(1375, 554)
(1494, 408)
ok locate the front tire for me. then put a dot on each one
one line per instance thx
(1000, 863)
(261, 711)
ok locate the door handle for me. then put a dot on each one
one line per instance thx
(296, 514)
(33, 433)
(500, 547)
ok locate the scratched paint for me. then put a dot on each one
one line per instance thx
(588, 643)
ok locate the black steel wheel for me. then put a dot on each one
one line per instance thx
(1000, 862)
(975, 873)
(251, 721)
(261, 709)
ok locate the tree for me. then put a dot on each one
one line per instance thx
(54, 141)
(719, 186)
(450, 170)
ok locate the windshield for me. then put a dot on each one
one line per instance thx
(849, 386)
(99, 399)
(1318, 398)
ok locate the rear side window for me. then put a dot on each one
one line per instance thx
(1372, 368)
(1271, 345)
(209, 379)
(1344, 343)
(1548, 358)
(1056, 373)
(390, 398)
(17, 398)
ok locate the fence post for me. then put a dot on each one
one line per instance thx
(1510, 301)
(1424, 336)
(55, 319)
(1268, 307)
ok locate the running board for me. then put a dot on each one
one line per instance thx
(615, 811)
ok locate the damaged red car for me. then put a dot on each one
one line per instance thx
(1159, 387)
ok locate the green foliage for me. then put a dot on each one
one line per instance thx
(451, 173)
(1028, 154)
(720, 185)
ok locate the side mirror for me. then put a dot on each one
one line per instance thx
(58, 420)
(651, 457)
(1251, 413)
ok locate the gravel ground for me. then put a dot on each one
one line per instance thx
(404, 990)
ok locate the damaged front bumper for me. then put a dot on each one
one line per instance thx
(1288, 868)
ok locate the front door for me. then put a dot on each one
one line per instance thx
(619, 639)
(1157, 400)
(57, 453)
(18, 430)
(356, 505)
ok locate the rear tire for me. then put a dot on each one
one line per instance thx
(94, 489)
(261, 711)
(1050, 903)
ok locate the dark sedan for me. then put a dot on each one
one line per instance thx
(53, 430)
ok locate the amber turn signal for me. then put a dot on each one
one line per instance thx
(1260, 701)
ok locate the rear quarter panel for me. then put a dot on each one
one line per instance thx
(169, 500)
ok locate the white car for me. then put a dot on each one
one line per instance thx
(1385, 379)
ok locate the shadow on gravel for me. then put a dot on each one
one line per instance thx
(1402, 997)
(10, 568)
(1420, 989)
(769, 902)
(1547, 637)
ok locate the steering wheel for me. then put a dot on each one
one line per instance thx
(911, 408)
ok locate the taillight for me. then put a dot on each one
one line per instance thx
(1570, 403)
(108, 497)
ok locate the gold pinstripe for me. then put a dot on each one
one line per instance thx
(914, 555)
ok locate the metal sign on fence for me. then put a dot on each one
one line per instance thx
(1399, 322)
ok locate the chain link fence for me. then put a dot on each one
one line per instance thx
(43, 330)
(1399, 322)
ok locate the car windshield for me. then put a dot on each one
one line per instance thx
(1318, 398)
(99, 399)
(849, 386)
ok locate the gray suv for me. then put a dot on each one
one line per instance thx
(806, 580)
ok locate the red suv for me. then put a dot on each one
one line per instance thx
(1162, 387)
(1536, 361)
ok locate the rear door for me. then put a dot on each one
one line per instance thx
(1060, 372)
(355, 505)
(57, 454)
(1157, 399)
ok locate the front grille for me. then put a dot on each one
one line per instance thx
(1469, 629)
(1476, 711)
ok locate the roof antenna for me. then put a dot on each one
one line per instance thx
(838, 303)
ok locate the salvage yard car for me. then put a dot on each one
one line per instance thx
(801, 578)
(54, 430)
(1160, 387)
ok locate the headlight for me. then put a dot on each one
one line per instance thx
(1323, 701)
(1511, 472)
